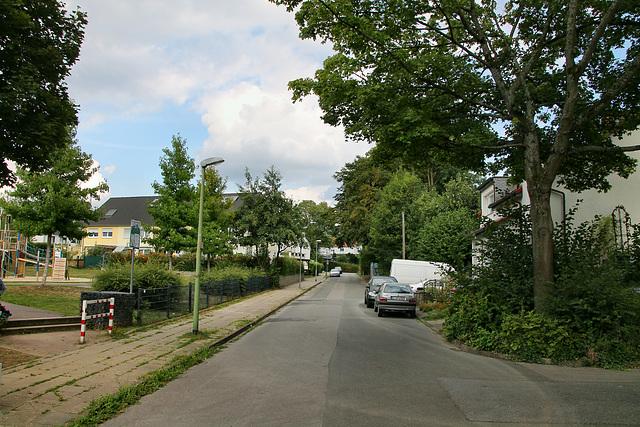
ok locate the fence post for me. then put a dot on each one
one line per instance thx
(83, 321)
(190, 289)
(139, 316)
(168, 301)
(207, 291)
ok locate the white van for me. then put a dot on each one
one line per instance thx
(418, 272)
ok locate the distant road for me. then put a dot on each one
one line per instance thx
(327, 360)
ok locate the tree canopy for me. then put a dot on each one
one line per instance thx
(39, 43)
(267, 216)
(58, 200)
(539, 89)
(360, 182)
(217, 215)
(175, 212)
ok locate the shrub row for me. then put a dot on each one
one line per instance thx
(592, 316)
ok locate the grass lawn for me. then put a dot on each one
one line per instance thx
(63, 299)
(75, 273)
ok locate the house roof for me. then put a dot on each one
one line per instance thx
(514, 194)
(237, 200)
(119, 211)
(500, 185)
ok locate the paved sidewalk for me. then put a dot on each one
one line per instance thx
(53, 390)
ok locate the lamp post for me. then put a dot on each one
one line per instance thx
(316, 277)
(209, 161)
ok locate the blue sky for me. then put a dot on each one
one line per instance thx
(214, 71)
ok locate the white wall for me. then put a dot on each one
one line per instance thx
(624, 192)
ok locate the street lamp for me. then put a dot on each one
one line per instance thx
(316, 279)
(209, 161)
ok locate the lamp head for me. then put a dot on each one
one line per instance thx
(211, 161)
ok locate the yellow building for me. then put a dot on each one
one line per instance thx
(112, 230)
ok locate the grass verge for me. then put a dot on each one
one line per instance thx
(63, 299)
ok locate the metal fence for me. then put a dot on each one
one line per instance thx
(159, 303)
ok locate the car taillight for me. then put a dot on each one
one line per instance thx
(383, 299)
(412, 300)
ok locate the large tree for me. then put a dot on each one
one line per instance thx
(319, 223)
(267, 216)
(541, 89)
(174, 213)
(217, 216)
(56, 201)
(443, 220)
(395, 200)
(39, 43)
(360, 184)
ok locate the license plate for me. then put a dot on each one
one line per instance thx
(398, 298)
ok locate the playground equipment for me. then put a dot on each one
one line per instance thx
(17, 252)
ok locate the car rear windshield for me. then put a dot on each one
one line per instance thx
(375, 287)
(397, 289)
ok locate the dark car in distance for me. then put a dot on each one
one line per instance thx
(369, 297)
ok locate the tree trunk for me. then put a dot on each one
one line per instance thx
(542, 244)
(539, 183)
(47, 260)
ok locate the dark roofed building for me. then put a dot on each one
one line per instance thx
(112, 230)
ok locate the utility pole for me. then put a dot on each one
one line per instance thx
(403, 239)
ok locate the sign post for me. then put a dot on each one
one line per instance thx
(134, 243)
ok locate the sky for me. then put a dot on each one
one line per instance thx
(216, 73)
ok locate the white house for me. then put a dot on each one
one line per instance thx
(497, 192)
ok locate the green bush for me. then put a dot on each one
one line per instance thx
(96, 251)
(593, 313)
(186, 262)
(116, 278)
(473, 319)
(285, 266)
(233, 272)
(530, 336)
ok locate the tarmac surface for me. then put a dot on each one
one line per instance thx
(67, 376)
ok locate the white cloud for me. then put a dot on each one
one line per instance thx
(317, 194)
(253, 128)
(226, 62)
(96, 179)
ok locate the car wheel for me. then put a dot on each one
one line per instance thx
(412, 314)
(369, 304)
(379, 312)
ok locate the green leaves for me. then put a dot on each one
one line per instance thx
(39, 44)
(58, 200)
(267, 216)
(175, 212)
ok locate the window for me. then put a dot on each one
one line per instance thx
(93, 233)
(488, 199)
(107, 233)
(127, 233)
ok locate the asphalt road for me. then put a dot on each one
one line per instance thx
(327, 360)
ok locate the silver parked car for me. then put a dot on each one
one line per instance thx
(395, 297)
(369, 294)
(334, 273)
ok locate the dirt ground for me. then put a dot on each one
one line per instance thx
(10, 357)
(18, 349)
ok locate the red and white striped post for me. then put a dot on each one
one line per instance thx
(83, 323)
